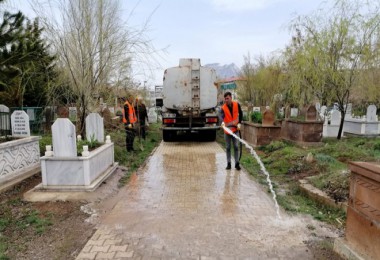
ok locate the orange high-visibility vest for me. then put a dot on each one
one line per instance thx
(231, 121)
(131, 114)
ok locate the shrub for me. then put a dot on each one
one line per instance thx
(256, 117)
(376, 146)
(273, 146)
(324, 158)
(45, 140)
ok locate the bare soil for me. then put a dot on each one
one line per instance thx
(70, 224)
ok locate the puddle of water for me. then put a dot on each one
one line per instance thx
(262, 167)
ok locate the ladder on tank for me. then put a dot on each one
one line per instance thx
(195, 86)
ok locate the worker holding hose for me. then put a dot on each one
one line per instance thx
(231, 116)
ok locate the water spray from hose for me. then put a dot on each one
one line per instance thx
(262, 167)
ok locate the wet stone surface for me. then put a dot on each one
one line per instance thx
(184, 205)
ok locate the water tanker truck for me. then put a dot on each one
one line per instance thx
(189, 101)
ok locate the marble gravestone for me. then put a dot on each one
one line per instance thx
(152, 115)
(64, 138)
(348, 110)
(73, 113)
(4, 118)
(95, 127)
(30, 113)
(335, 117)
(293, 112)
(256, 109)
(322, 111)
(20, 123)
(318, 107)
(371, 113)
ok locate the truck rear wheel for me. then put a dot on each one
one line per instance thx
(209, 135)
(168, 136)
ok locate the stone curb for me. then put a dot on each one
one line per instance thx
(320, 196)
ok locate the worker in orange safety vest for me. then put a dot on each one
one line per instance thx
(231, 116)
(129, 119)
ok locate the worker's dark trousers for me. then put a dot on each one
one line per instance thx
(228, 138)
(129, 138)
(142, 131)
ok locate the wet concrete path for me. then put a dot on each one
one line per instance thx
(184, 205)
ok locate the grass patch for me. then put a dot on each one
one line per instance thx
(327, 170)
(16, 216)
(3, 248)
(294, 201)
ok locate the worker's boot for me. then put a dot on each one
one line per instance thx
(237, 166)
(228, 166)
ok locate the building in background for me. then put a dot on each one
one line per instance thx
(229, 84)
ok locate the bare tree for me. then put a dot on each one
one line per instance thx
(94, 46)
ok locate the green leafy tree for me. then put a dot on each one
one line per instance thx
(26, 67)
(329, 51)
(263, 80)
(246, 92)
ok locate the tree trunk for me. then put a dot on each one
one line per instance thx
(342, 115)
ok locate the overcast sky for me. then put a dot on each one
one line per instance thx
(216, 31)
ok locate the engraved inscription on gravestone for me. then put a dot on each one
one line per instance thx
(20, 123)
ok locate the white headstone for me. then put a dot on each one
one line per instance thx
(4, 118)
(20, 123)
(64, 138)
(30, 113)
(256, 109)
(348, 110)
(318, 106)
(73, 113)
(322, 111)
(371, 113)
(293, 112)
(95, 127)
(335, 117)
(152, 115)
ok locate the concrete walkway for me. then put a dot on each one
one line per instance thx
(184, 205)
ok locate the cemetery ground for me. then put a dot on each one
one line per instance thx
(59, 230)
(324, 166)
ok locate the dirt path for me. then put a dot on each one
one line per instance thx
(184, 205)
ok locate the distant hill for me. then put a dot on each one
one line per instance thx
(224, 71)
